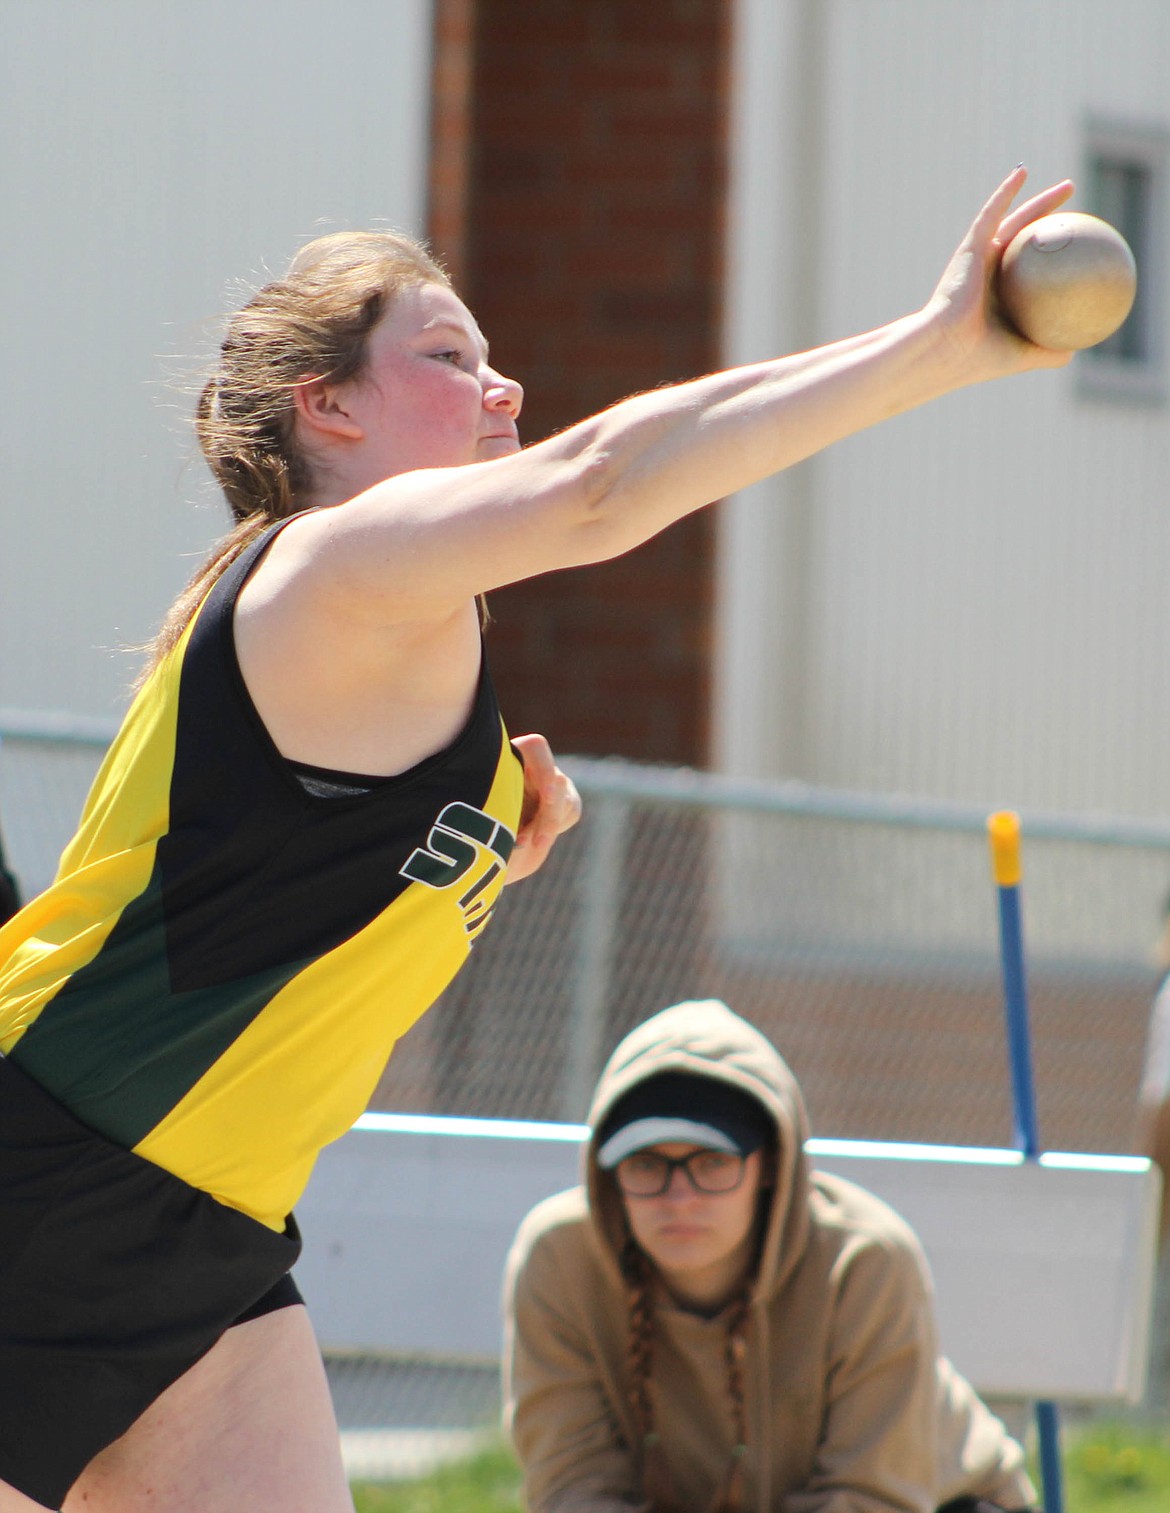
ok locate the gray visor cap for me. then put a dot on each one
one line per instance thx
(685, 1107)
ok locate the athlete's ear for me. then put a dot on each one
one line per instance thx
(321, 407)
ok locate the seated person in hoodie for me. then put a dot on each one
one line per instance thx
(709, 1326)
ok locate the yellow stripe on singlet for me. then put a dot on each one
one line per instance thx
(297, 1077)
(104, 868)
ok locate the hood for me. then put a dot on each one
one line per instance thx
(704, 1038)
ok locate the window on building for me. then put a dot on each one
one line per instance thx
(1125, 184)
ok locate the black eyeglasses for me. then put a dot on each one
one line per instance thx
(648, 1174)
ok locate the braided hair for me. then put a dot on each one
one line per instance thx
(656, 1480)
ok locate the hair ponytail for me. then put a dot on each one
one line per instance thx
(255, 464)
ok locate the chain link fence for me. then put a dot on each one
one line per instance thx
(858, 931)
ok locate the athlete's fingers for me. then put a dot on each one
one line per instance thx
(1044, 203)
(551, 802)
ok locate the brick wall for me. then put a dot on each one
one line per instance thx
(450, 158)
(577, 194)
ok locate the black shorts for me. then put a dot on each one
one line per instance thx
(115, 1277)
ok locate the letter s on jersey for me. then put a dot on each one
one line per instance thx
(460, 837)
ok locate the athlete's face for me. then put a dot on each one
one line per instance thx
(702, 1243)
(429, 397)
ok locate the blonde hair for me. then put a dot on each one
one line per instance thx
(313, 322)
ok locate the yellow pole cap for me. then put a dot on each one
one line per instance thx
(1003, 831)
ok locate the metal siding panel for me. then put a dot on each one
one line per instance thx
(153, 154)
(986, 578)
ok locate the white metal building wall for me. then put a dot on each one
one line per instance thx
(153, 152)
(968, 602)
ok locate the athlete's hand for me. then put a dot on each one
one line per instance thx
(964, 304)
(551, 806)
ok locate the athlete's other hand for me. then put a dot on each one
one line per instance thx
(551, 806)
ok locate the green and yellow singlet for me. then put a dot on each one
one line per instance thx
(224, 962)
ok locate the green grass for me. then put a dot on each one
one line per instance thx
(1116, 1468)
(487, 1483)
(1108, 1468)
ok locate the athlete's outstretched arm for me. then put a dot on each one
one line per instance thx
(423, 541)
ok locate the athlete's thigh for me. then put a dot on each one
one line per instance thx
(249, 1427)
(12, 1501)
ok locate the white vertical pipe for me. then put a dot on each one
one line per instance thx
(765, 534)
(601, 882)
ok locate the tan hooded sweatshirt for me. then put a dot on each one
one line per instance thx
(850, 1408)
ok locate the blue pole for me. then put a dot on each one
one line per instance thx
(1004, 834)
(1019, 1037)
(1048, 1437)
